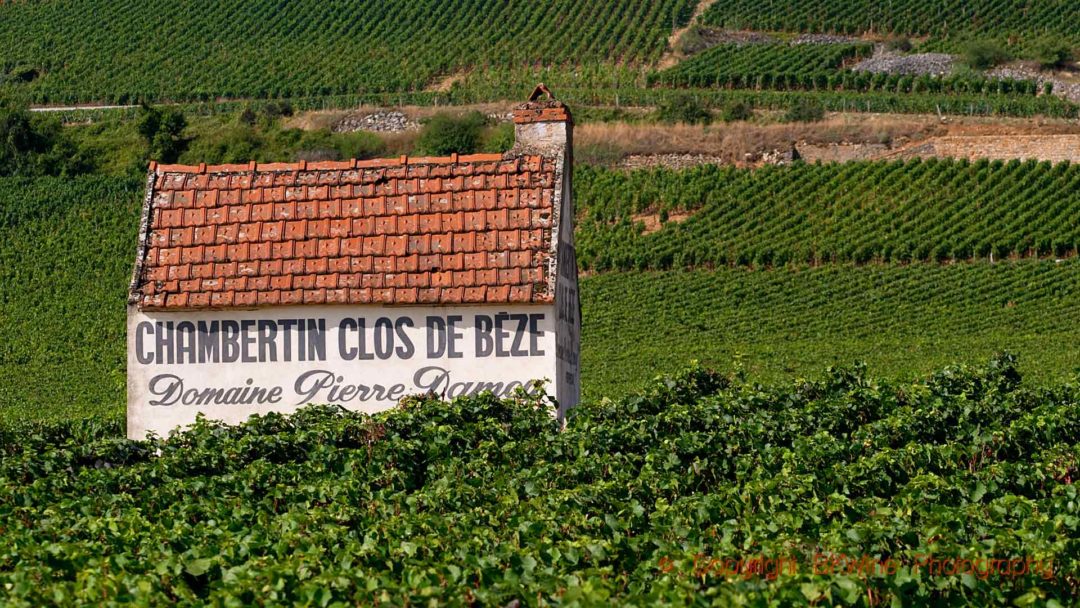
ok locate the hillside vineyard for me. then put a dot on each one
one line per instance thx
(932, 210)
(819, 67)
(912, 17)
(903, 320)
(87, 50)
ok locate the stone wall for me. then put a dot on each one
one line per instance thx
(1054, 148)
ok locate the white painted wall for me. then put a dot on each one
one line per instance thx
(163, 395)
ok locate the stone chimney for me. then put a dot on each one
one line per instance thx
(543, 125)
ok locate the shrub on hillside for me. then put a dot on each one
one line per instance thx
(277, 109)
(34, 145)
(499, 138)
(247, 116)
(445, 133)
(736, 111)
(692, 41)
(683, 108)
(805, 110)
(240, 143)
(898, 44)
(358, 145)
(324, 145)
(984, 54)
(1053, 53)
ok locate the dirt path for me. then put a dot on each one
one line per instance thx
(74, 108)
(670, 57)
(444, 85)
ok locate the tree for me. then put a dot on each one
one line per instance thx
(163, 132)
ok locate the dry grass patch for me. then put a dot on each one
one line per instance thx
(653, 222)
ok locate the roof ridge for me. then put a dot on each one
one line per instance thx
(333, 165)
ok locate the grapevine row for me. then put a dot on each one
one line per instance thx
(855, 212)
(904, 320)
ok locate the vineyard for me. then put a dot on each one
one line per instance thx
(850, 384)
(816, 67)
(933, 210)
(87, 50)
(745, 65)
(920, 17)
(65, 262)
(486, 502)
(594, 53)
(902, 320)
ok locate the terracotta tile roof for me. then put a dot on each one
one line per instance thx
(468, 229)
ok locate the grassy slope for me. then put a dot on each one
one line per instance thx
(66, 254)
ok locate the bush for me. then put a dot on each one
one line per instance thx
(359, 145)
(444, 134)
(1053, 54)
(237, 143)
(24, 73)
(692, 41)
(36, 145)
(683, 108)
(499, 138)
(984, 54)
(805, 110)
(163, 132)
(277, 109)
(898, 43)
(247, 117)
(736, 111)
(240, 143)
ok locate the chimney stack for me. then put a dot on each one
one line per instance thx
(543, 125)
